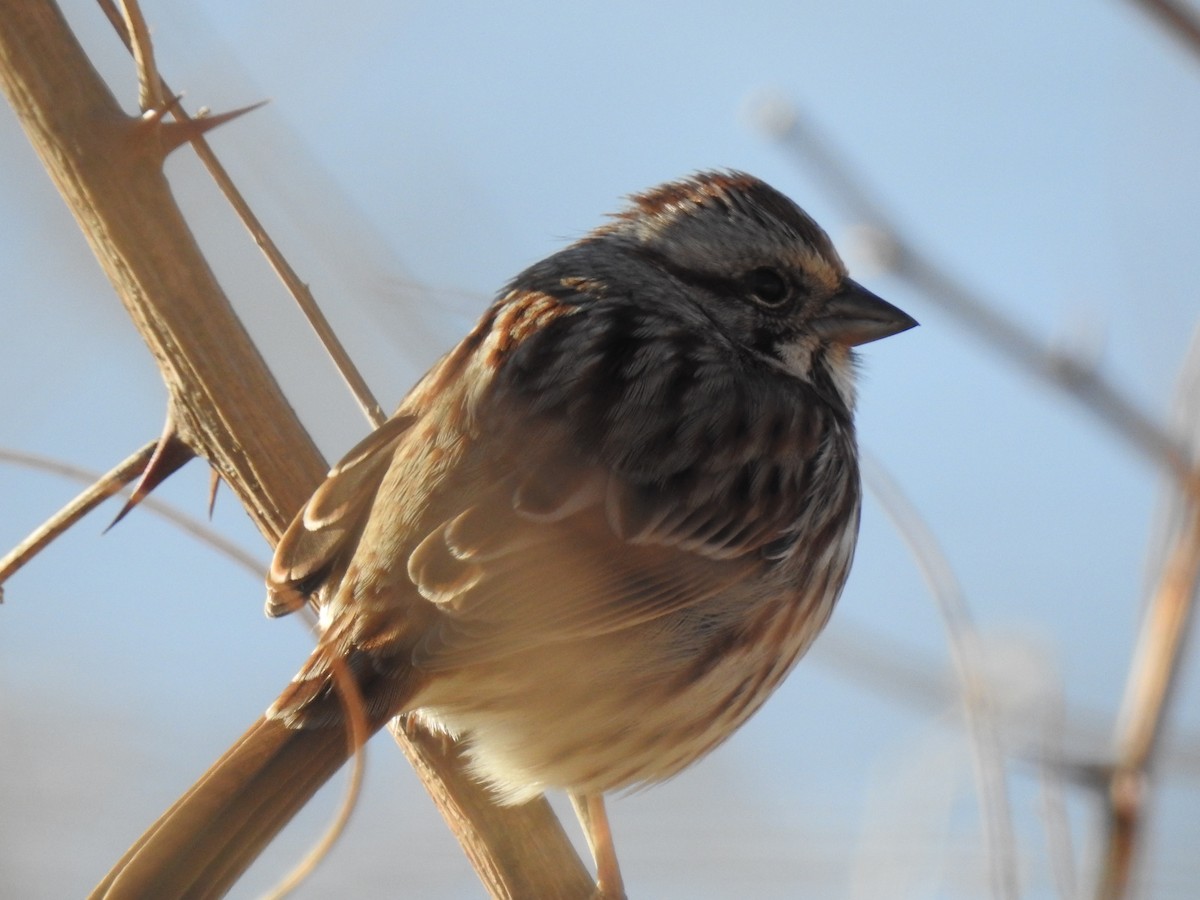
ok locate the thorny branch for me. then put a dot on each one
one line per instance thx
(124, 471)
(100, 490)
(148, 74)
(223, 400)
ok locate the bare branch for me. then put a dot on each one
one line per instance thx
(1160, 650)
(896, 669)
(195, 527)
(101, 489)
(1178, 18)
(278, 262)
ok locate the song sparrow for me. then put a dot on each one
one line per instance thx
(593, 538)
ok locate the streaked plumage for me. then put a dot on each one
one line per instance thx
(599, 532)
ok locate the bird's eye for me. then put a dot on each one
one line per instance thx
(766, 287)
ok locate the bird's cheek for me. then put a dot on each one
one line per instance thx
(797, 356)
(842, 365)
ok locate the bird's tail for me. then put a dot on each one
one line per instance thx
(200, 846)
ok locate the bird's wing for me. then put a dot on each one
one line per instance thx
(327, 527)
(558, 551)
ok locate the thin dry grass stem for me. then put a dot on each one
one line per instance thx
(150, 86)
(965, 651)
(287, 274)
(1178, 18)
(1059, 845)
(186, 523)
(1065, 371)
(101, 488)
(1160, 650)
(357, 734)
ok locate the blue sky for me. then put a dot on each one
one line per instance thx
(413, 157)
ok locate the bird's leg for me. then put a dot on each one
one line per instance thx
(589, 808)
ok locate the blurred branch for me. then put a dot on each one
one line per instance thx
(278, 262)
(1164, 628)
(1064, 371)
(1160, 650)
(1161, 647)
(128, 470)
(976, 693)
(885, 666)
(1059, 845)
(1178, 18)
(226, 405)
(101, 489)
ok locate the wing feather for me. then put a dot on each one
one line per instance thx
(524, 579)
(325, 529)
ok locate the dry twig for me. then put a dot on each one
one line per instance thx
(278, 262)
(1161, 647)
(100, 490)
(976, 694)
(195, 527)
(1178, 18)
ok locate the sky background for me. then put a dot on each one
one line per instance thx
(415, 156)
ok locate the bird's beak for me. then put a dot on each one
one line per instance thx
(855, 316)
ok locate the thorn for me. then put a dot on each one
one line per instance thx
(214, 482)
(175, 134)
(170, 454)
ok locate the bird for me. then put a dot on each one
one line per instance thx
(590, 542)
